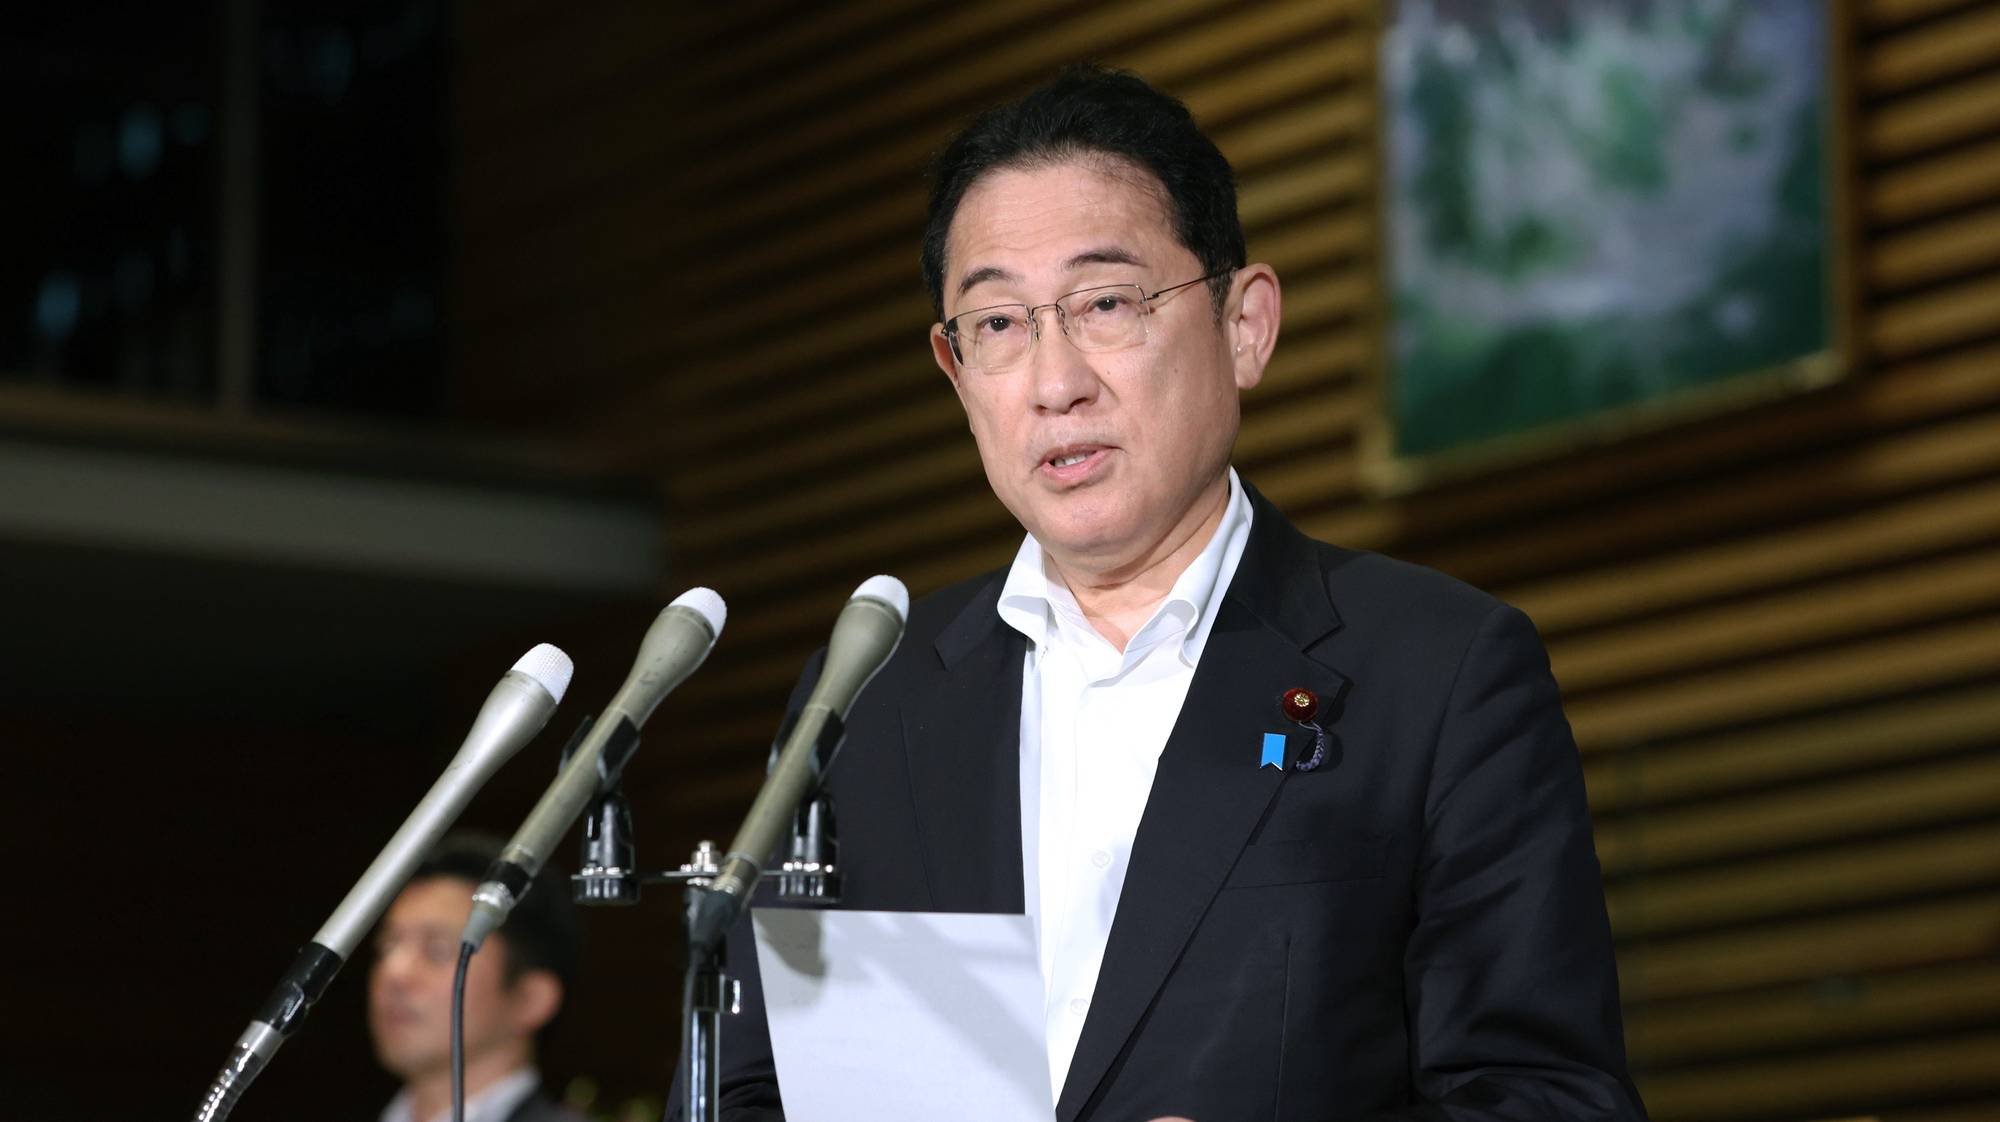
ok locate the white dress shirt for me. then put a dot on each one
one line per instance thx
(493, 1104)
(1093, 723)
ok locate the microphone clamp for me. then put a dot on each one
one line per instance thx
(810, 873)
(504, 885)
(606, 876)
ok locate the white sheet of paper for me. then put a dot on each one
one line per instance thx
(895, 1016)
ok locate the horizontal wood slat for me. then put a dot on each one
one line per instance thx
(1962, 450)
(796, 43)
(1951, 114)
(1088, 32)
(1814, 614)
(1987, 1111)
(1894, 938)
(1933, 185)
(1889, 400)
(1795, 751)
(1649, 905)
(1887, 15)
(1967, 40)
(1801, 1086)
(1910, 527)
(1959, 313)
(1787, 684)
(1943, 249)
(1821, 812)
(1836, 1011)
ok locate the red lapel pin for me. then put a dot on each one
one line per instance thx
(1300, 706)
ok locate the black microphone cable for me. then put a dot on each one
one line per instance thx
(465, 953)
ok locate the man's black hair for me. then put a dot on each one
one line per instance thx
(1087, 112)
(543, 931)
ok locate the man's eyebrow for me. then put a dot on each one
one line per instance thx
(1103, 255)
(983, 274)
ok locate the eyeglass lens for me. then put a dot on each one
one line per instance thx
(1097, 319)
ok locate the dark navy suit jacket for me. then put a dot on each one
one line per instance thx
(1415, 929)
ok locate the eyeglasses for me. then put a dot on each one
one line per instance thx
(1108, 318)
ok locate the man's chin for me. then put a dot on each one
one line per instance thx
(1091, 547)
(1081, 529)
(409, 1062)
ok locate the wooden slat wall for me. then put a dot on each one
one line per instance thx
(1778, 630)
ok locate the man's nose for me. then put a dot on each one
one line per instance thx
(1063, 376)
(396, 965)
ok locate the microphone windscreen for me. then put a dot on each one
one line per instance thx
(706, 603)
(889, 590)
(549, 667)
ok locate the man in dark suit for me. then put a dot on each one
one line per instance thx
(513, 990)
(1302, 830)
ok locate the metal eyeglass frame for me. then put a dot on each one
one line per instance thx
(1034, 319)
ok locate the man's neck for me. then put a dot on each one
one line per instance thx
(430, 1093)
(1118, 601)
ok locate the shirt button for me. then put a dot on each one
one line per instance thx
(1078, 1006)
(1100, 859)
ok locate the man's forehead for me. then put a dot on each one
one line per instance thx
(1093, 210)
(432, 896)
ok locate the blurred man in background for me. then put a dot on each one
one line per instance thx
(513, 989)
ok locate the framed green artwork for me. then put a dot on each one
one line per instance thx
(1604, 216)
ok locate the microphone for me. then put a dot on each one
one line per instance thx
(864, 637)
(674, 646)
(514, 712)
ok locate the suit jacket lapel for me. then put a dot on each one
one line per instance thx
(1209, 793)
(963, 739)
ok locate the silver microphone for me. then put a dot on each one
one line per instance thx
(864, 637)
(675, 645)
(519, 706)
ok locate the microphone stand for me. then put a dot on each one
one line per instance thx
(808, 875)
(705, 993)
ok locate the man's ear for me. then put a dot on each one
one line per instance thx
(1250, 322)
(941, 354)
(533, 1000)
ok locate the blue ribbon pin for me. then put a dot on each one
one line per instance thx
(1274, 751)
